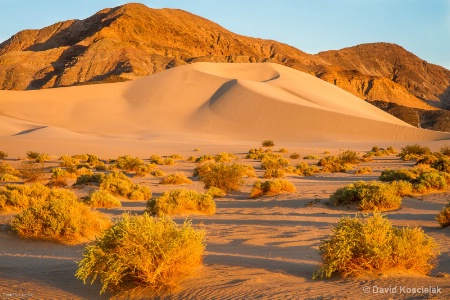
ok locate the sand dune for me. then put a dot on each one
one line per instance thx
(206, 101)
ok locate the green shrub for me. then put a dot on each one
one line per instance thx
(181, 201)
(225, 157)
(215, 192)
(270, 163)
(92, 160)
(402, 174)
(8, 177)
(156, 159)
(283, 150)
(445, 150)
(144, 169)
(254, 153)
(42, 157)
(311, 157)
(102, 199)
(204, 158)
(349, 157)
(413, 152)
(14, 197)
(68, 161)
(442, 164)
(155, 252)
(402, 188)
(375, 246)
(3, 155)
(176, 156)
(157, 173)
(369, 196)
(6, 168)
(294, 155)
(430, 181)
(271, 188)
(128, 163)
(364, 170)
(62, 219)
(274, 173)
(80, 156)
(191, 158)
(305, 169)
(31, 171)
(332, 164)
(268, 143)
(32, 154)
(443, 217)
(168, 161)
(426, 159)
(222, 176)
(176, 178)
(119, 184)
(93, 178)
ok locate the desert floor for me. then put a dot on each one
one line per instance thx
(264, 248)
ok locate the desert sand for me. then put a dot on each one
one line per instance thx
(264, 248)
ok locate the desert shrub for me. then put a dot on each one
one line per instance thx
(8, 177)
(311, 157)
(62, 173)
(222, 176)
(205, 158)
(215, 192)
(168, 161)
(196, 149)
(426, 159)
(430, 181)
(391, 175)
(3, 155)
(17, 197)
(60, 219)
(402, 188)
(80, 156)
(6, 168)
(92, 160)
(176, 156)
(271, 188)
(176, 178)
(128, 163)
(68, 161)
(332, 164)
(254, 153)
(100, 166)
(181, 201)
(32, 154)
(369, 196)
(144, 169)
(92, 178)
(413, 152)
(156, 159)
(157, 173)
(375, 246)
(102, 199)
(326, 152)
(31, 171)
(442, 164)
(443, 217)
(191, 158)
(38, 157)
(119, 184)
(349, 157)
(225, 157)
(294, 155)
(274, 173)
(445, 150)
(149, 251)
(305, 169)
(268, 143)
(364, 170)
(283, 150)
(270, 163)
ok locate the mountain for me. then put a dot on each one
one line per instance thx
(132, 41)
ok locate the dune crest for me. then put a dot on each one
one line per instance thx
(246, 102)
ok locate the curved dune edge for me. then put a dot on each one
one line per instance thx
(223, 101)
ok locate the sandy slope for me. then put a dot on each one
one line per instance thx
(203, 101)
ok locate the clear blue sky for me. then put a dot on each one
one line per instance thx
(420, 26)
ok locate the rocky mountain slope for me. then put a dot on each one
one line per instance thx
(132, 41)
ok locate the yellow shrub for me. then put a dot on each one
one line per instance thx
(271, 188)
(181, 201)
